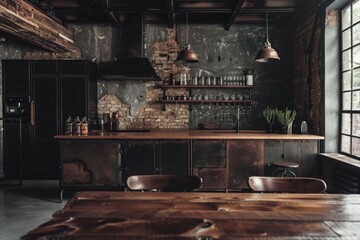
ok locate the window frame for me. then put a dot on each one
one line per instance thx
(351, 90)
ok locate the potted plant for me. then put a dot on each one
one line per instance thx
(286, 118)
(270, 116)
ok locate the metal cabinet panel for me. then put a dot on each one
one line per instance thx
(139, 157)
(246, 158)
(303, 152)
(213, 178)
(173, 157)
(209, 162)
(16, 77)
(273, 151)
(90, 163)
(209, 153)
(307, 158)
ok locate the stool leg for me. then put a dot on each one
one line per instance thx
(279, 173)
(292, 173)
(287, 173)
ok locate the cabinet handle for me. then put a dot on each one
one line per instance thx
(32, 112)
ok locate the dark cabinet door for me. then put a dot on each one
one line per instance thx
(73, 98)
(17, 150)
(139, 157)
(90, 163)
(45, 99)
(173, 157)
(73, 67)
(16, 77)
(209, 163)
(308, 150)
(45, 127)
(302, 152)
(246, 158)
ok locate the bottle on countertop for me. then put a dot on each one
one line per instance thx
(76, 126)
(110, 121)
(116, 121)
(101, 122)
(84, 128)
(68, 126)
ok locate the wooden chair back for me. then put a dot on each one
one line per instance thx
(163, 182)
(287, 184)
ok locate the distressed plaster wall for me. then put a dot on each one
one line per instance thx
(228, 53)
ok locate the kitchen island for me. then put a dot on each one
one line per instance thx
(223, 158)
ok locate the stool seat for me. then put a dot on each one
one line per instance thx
(286, 164)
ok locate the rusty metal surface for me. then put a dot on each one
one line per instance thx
(160, 215)
(90, 163)
(212, 177)
(246, 158)
(210, 153)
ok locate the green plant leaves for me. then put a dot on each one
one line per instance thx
(284, 117)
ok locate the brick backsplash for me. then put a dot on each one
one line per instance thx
(154, 114)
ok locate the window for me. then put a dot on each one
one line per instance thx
(350, 71)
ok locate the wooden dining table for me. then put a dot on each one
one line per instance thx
(202, 215)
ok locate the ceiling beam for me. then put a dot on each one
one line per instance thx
(235, 11)
(104, 7)
(25, 21)
(170, 13)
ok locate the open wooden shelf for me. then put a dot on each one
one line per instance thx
(209, 86)
(207, 101)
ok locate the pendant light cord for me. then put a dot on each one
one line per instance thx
(186, 30)
(267, 28)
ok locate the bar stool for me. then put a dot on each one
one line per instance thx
(285, 172)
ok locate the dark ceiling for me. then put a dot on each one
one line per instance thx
(170, 12)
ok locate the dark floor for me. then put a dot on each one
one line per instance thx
(22, 208)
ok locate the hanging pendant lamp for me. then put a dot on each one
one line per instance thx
(267, 53)
(187, 55)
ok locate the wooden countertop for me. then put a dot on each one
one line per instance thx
(191, 134)
(185, 215)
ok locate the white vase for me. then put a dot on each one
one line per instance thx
(289, 128)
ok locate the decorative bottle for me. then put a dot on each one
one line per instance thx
(68, 126)
(76, 126)
(84, 128)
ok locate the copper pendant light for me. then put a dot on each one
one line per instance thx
(267, 53)
(187, 55)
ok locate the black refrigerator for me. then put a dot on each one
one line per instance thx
(53, 90)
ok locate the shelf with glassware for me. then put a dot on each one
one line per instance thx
(198, 98)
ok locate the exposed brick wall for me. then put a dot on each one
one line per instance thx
(150, 116)
(332, 17)
(153, 114)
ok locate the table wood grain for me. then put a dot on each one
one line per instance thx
(162, 215)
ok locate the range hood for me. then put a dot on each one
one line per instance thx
(130, 68)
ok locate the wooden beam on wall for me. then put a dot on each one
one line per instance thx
(25, 21)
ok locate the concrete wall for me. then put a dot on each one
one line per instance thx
(228, 53)
(331, 97)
